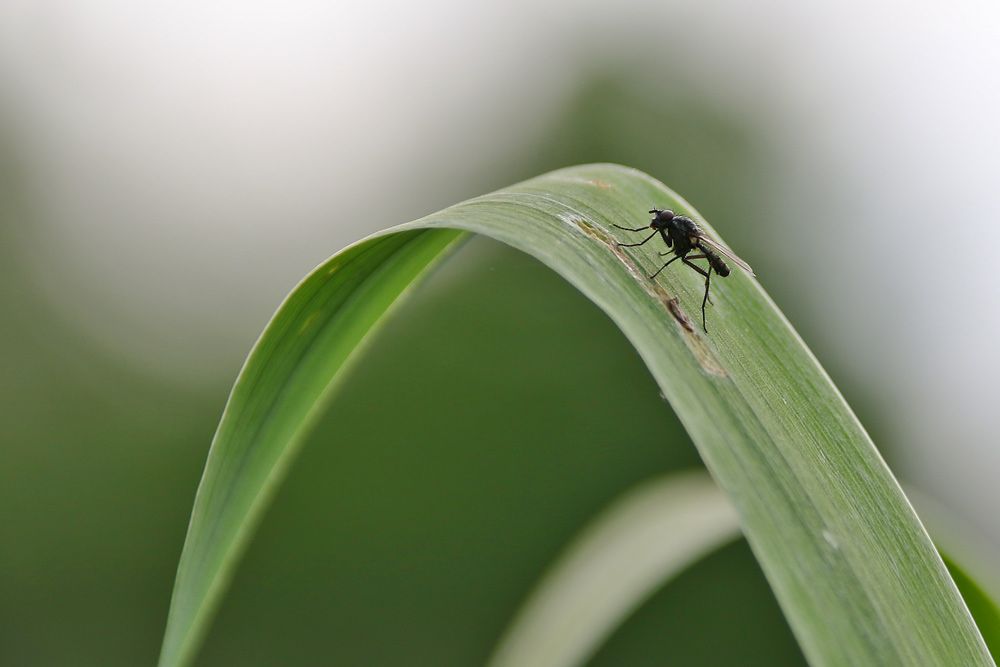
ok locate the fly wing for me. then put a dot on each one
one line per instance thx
(723, 250)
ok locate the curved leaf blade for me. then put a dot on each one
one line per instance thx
(850, 564)
(298, 361)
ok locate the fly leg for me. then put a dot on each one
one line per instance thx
(664, 266)
(708, 281)
(701, 272)
(638, 229)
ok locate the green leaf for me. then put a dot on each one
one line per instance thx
(293, 369)
(970, 562)
(640, 542)
(848, 560)
(984, 609)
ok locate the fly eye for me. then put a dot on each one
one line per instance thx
(661, 218)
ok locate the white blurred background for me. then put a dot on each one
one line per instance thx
(182, 165)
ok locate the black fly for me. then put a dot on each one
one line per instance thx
(682, 235)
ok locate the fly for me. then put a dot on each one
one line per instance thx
(682, 235)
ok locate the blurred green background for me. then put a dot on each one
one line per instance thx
(495, 414)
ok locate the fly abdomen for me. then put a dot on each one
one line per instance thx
(716, 262)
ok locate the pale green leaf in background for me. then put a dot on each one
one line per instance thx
(644, 539)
